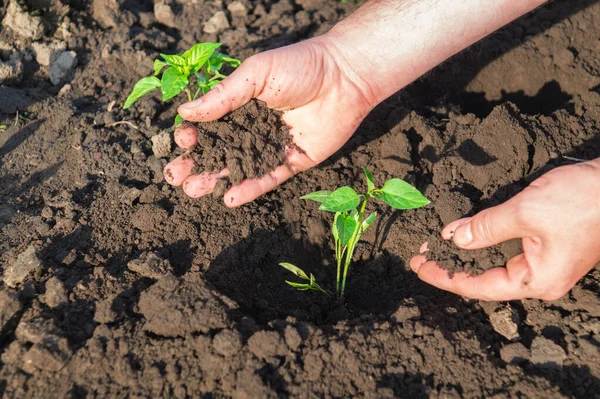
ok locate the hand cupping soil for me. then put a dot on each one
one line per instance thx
(473, 262)
(249, 141)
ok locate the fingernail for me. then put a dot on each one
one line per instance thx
(463, 235)
(191, 105)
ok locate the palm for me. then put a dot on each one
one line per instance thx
(322, 107)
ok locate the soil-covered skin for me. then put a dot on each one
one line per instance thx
(250, 141)
(115, 284)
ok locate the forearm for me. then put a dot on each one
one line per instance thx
(386, 44)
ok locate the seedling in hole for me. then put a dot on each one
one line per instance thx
(201, 61)
(349, 221)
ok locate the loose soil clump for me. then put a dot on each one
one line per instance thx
(249, 141)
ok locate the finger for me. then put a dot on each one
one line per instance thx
(186, 135)
(250, 189)
(449, 230)
(497, 284)
(490, 227)
(197, 186)
(417, 261)
(178, 170)
(233, 92)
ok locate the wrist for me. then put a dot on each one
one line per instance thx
(385, 45)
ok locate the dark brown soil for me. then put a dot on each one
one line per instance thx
(138, 291)
(473, 262)
(250, 141)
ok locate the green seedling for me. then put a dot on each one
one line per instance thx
(3, 127)
(349, 221)
(201, 61)
(312, 284)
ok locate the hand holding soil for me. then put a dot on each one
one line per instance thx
(557, 217)
(322, 104)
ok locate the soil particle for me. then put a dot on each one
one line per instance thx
(237, 9)
(27, 262)
(55, 293)
(50, 354)
(148, 217)
(11, 71)
(47, 53)
(266, 344)
(514, 353)
(473, 262)
(36, 329)
(164, 14)
(62, 67)
(104, 311)
(547, 354)
(407, 312)
(249, 385)
(216, 23)
(506, 322)
(23, 23)
(161, 145)
(178, 306)
(10, 306)
(130, 195)
(150, 265)
(292, 338)
(250, 142)
(227, 343)
(150, 195)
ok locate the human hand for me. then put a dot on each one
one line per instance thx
(323, 102)
(558, 218)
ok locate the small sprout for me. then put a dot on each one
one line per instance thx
(312, 284)
(349, 221)
(202, 62)
(3, 127)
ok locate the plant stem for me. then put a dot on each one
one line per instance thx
(189, 94)
(353, 241)
(338, 258)
(197, 92)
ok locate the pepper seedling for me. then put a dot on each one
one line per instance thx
(202, 61)
(349, 221)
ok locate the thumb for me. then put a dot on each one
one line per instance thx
(237, 89)
(490, 227)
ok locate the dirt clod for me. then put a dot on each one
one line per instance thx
(250, 142)
(25, 264)
(150, 265)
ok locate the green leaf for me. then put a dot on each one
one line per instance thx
(368, 222)
(141, 88)
(212, 84)
(400, 195)
(294, 269)
(198, 55)
(342, 199)
(158, 66)
(178, 120)
(300, 286)
(174, 59)
(216, 61)
(346, 225)
(201, 79)
(317, 196)
(173, 82)
(370, 181)
(234, 62)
